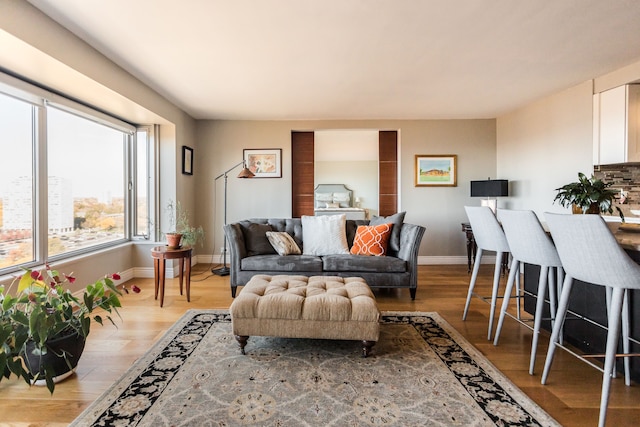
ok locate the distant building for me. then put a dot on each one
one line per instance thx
(17, 205)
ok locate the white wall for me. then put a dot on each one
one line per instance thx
(440, 210)
(543, 146)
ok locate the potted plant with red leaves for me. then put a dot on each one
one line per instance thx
(43, 325)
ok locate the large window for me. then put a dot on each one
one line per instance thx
(86, 182)
(73, 179)
(144, 149)
(17, 202)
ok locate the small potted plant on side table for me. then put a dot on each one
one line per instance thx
(183, 233)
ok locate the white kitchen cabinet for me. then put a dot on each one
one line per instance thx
(616, 125)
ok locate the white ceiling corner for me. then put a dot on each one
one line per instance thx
(355, 59)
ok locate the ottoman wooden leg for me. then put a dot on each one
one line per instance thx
(242, 340)
(366, 347)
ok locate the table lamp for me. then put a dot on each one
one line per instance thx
(490, 188)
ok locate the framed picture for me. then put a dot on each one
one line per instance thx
(187, 160)
(436, 170)
(264, 163)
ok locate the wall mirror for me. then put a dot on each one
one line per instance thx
(349, 157)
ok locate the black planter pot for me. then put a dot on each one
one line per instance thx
(62, 357)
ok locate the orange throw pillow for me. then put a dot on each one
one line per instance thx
(371, 240)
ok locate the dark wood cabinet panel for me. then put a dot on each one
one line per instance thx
(302, 173)
(388, 172)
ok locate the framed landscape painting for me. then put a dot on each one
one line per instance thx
(436, 170)
(264, 163)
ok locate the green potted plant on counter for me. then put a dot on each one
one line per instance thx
(43, 325)
(182, 232)
(588, 196)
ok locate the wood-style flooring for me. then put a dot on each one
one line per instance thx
(572, 395)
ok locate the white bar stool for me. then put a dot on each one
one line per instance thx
(529, 243)
(589, 252)
(489, 237)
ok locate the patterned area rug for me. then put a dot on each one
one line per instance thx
(421, 372)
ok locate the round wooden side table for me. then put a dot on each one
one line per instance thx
(162, 253)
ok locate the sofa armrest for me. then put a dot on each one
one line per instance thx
(237, 250)
(410, 238)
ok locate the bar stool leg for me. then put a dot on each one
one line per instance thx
(558, 288)
(626, 348)
(537, 321)
(553, 296)
(494, 291)
(472, 283)
(515, 266)
(615, 310)
(563, 304)
(518, 292)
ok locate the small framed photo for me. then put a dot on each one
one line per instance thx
(264, 163)
(436, 170)
(187, 160)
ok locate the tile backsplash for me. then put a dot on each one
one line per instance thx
(625, 177)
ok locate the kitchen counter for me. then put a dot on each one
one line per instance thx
(629, 240)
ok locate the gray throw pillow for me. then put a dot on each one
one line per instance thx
(396, 219)
(255, 239)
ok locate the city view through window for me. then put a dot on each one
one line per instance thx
(85, 163)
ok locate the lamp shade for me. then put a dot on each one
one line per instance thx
(246, 173)
(490, 188)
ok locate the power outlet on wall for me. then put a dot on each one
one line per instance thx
(222, 249)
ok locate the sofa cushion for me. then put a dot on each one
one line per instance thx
(281, 263)
(324, 235)
(396, 219)
(371, 240)
(283, 243)
(360, 263)
(255, 238)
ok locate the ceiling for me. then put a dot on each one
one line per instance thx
(356, 59)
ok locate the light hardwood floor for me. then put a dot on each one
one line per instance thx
(572, 395)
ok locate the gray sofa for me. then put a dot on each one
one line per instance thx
(251, 254)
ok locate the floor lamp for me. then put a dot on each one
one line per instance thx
(244, 173)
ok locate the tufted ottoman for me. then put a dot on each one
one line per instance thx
(324, 307)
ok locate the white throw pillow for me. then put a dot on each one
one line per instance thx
(324, 235)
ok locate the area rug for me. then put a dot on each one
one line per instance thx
(421, 372)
